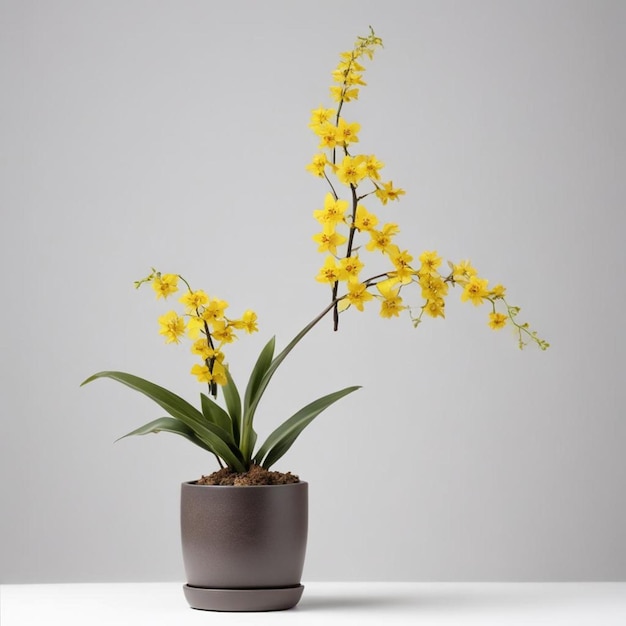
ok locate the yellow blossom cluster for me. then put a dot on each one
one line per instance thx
(348, 229)
(204, 321)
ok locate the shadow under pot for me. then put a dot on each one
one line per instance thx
(244, 547)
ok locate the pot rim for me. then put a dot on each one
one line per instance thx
(194, 483)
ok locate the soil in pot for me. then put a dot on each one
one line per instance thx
(256, 475)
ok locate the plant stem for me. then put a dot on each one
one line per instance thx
(348, 255)
(210, 362)
(352, 226)
(336, 196)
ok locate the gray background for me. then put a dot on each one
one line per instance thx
(174, 134)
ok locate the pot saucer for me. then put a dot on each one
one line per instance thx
(276, 599)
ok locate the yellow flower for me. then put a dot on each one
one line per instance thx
(475, 290)
(372, 165)
(430, 262)
(219, 374)
(165, 285)
(333, 212)
(329, 239)
(344, 94)
(349, 268)
(354, 78)
(352, 170)
(348, 74)
(347, 133)
(433, 286)
(497, 320)
(329, 273)
(223, 331)
(434, 308)
(348, 60)
(194, 326)
(327, 134)
(202, 348)
(321, 115)
(462, 271)
(402, 262)
(389, 192)
(214, 310)
(391, 307)
(357, 295)
(318, 165)
(248, 322)
(202, 373)
(391, 303)
(381, 239)
(172, 327)
(193, 300)
(498, 291)
(363, 219)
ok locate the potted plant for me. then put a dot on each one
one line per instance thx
(244, 526)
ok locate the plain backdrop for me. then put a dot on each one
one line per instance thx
(138, 134)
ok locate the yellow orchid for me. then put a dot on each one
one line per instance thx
(347, 133)
(193, 300)
(318, 164)
(172, 327)
(497, 320)
(333, 212)
(391, 302)
(352, 170)
(364, 220)
(349, 268)
(475, 290)
(350, 239)
(357, 295)
(165, 285)
(329, 239)
(329, 272)
(342, 228)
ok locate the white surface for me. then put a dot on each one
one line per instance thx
(156, 604)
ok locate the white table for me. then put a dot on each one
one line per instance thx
(326, 604)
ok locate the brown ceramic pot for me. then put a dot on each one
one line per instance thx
(244, 547)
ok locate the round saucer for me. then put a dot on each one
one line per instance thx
(277, 599)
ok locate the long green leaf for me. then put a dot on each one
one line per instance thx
(217, 415)
(281, 439)
(258, 371)
(168, 425)
(233, 404)
(210, 434)
(248, 436)
(173, 404)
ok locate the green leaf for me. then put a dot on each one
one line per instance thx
(248, 436)
(233, 404)
(217, 415)
(168, 425)
(173, 404)
(210, 434)
(283, 437)
(258, 372)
